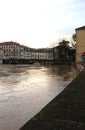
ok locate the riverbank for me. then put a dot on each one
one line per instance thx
(65, 112)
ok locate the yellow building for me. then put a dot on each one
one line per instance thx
(80, 43)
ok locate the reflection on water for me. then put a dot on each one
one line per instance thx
(25, 90)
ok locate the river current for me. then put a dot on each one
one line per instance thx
(26, 89)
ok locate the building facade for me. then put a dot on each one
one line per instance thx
(80, 43)
(1, 55)
(41, 54)
(55, 53)
(11, 50)
(24, 53)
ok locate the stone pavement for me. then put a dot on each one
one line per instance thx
(65, 112)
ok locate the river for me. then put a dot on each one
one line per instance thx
(26, 89)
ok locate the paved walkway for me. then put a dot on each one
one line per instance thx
(65, 112)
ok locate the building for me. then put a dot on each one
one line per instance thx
(24, 53)
(80, 43)
(41, 54)
(50, 54)
(56, 53)
(11, 50)
(1, 55)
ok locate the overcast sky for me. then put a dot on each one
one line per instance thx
(38, 23)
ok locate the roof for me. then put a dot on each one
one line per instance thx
(9, 43)
(80, 28)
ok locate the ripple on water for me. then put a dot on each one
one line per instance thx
(25, 90)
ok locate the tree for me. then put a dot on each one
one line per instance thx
(63, 51)
(71, 54)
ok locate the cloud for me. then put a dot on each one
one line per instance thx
(39, 21)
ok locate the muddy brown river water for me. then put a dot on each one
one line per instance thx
(25, 90)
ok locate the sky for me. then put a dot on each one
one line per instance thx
(40, 23)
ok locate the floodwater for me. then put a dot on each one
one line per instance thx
(25, 90)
